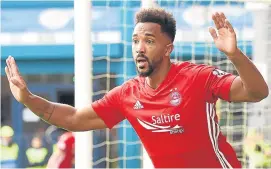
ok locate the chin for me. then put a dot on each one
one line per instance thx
(144, 73)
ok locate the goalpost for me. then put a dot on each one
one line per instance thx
(83, 82)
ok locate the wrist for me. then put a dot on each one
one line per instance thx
(28, 97)
(235, 55)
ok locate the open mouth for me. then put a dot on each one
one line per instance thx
(141, 59)
(141, 62)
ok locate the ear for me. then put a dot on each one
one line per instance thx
(169, 49)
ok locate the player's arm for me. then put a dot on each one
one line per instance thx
(65, 116)
(250, 86)
(61, 115)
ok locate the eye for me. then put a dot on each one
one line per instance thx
(135, 41)
(150, 41)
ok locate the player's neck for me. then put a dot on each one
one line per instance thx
(158, 75)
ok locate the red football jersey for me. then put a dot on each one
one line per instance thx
(176, 122)
(66, 143)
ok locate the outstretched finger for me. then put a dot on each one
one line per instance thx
(220, 19)
(216, 21)
(213, 33)
(7, 73)
(223, 17)
(230, 28)
(14, 67)
(9, 66)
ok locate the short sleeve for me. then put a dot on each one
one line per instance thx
(109, 107)
(217, 83)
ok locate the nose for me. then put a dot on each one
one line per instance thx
(141, 48)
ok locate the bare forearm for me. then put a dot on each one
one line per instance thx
(251, 78)
(53, 113)
(65, 116)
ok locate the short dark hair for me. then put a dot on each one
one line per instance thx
(159, 16)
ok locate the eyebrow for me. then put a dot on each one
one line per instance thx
(146, 34)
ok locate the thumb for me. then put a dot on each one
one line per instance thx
(213, 33)
(17, 83)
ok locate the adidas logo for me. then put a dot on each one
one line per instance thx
(138, 105)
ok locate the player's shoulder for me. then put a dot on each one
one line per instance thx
(121, 89)
(133, 82)
(189, 67)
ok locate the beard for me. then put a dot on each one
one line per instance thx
(148, 67)
(146, 73)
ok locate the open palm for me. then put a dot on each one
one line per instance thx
(225, 37)
(16, 82)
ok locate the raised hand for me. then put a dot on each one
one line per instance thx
(17, 84)
(224, 37)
